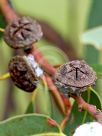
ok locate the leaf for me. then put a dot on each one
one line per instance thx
(98, 69)
(30, 108)
(93, 53)
(95, 99)
(56, 114)
(2, 24)
(50, 134)
(41, 103)
(77, 118)
(54, 55)
(93, 37)
(27, 125)
(77, 18)
(95, 18)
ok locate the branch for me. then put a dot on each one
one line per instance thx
(7, 10)
(47, 67)
(91, 109)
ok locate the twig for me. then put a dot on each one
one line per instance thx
(55, 93)
(65, 104)
(42, 61)
(82, 105)
(5, 76)
(7, 10)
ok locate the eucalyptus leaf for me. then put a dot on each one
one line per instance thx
(56, 113)
(77, 18)
(2, 24)
(30, 108)
(50, 134)
(98, 69)
(28, 125)
(77, 118)
(93, 37)
(41, 102)
(95, 17)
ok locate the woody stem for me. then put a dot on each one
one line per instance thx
(91, 109)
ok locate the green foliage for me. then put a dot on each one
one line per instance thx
(93, 45)
(28, 125)
(98, 69)
(2, 24)
(70, 18)
(93, 37)
(95, 16)
(77, 118)
(43, 98)
(30, 108)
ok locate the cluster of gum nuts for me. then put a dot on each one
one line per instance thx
(71, 78)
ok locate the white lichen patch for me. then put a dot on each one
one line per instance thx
(38, 71)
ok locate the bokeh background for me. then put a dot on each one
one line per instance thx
(66, 25)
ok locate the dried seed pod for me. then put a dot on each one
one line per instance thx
(22, 32)
(74, 77)
(23, 73)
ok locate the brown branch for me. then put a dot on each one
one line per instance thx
(91, 109)
(55, 93)
(7, 10)
(42, 61)
(62, 101)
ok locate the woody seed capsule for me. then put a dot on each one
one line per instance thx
(22, 32)
(74, 77)
(23, 73)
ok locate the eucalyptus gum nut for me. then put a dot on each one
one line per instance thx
(22, 32)
(75, 76)
(22, 74)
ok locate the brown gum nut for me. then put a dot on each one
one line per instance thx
(75, 76)
(22, 32)
(22, 74)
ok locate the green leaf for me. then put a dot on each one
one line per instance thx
(77, 118)
(95, 18)
(2, 24)
(98, 69)
(54, 55)
(50, 134)
(28, 125)
(77, 18)
(30, 108)
(42, 102)
(95, 99)
(93, 37)
(56, 114)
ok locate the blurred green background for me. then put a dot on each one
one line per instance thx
(70, 19)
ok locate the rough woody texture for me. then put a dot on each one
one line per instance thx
(22, 32)
(74, 77)
(22, 74)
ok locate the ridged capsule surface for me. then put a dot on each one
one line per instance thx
(22, 74)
